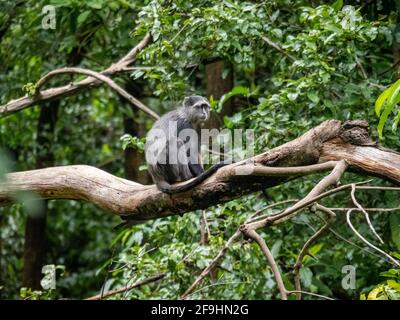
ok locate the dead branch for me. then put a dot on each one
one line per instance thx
(53, 93)
(358, 205)
(369, 244)
(330, 141)
(307, 245)
(315, 193)
(211, 265)
(127, 288)
(251, 233)
(101, 78)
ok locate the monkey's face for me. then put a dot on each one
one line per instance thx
(197, 109)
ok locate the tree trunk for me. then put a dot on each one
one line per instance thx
(35, 230)
(133, 159)
(217, 86)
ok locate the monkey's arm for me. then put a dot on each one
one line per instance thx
(197, 169)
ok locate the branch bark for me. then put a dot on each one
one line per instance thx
(330, 141)
(102, 78)
(58, 92)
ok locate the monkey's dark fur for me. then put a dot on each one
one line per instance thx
(193, 114)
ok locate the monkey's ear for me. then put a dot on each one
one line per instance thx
(187, 101)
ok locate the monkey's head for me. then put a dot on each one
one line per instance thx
(196, 109)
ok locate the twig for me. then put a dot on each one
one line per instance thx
(53, 93)
(123, 289)
(270, 258)
(278, 47)
(378, 188)
(309, 242)
(211, 266)
(363, 72)
(315, 194)
(309, 293)
(366, 241)
(100, 77)
(367, 209)
(353, 197)
(287, 171)
(352, 243)
(204, 230)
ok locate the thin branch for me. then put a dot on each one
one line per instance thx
(315, 194)
(288, 171)
(353, 197)
(309, 293)
(367, 209)
(390, 68)
(127, 288)
(99, 77)
(211, 265)
(270, 258)
(204, 229)
(57, 92)
(339, 236)
(278, 47)
(363, 72)
(307, 245)
(366, 241)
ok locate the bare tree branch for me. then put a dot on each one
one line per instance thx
(307, 245)
(211, 265)
(278, 48)
(389, 257)
(124, 289)
(53, 93)
(353, 197)
(270, 258)
(138, 202)
(101, 78)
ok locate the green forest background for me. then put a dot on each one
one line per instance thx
(279, 67)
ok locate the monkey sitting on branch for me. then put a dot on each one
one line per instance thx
(173, 147)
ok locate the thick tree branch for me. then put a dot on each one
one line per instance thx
(330, 141)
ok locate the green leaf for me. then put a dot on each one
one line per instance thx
(383, 119)
(82, 17)
(394, 97)
(239, 90)
(313, 97)
(306, 276)
(96, 4)
(396, 122)
(394, 222)
(337, 5)
(381, 100)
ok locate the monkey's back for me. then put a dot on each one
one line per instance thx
(164, 170)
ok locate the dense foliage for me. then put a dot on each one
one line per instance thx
(296, 63)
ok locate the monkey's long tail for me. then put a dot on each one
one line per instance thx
(171, 189)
